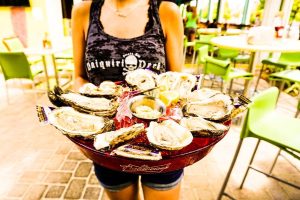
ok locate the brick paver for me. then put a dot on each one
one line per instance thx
(35, 192)
(76, 156)
(93, 179)
(58, 177)
(92, 193)
(69, 166)
(75, 189)
(83, 170)
(55, 191)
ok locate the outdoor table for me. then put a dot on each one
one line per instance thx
(240, 43)
(209, 31)
(232, 32)
(44, 53)
(218, 31)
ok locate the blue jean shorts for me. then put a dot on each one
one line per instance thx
(115, 180)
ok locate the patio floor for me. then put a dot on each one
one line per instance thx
(38, 162)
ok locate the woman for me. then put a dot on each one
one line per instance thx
(191, 25)
(112, 37)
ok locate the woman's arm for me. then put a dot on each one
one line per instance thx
(79, 21)
(173, 29)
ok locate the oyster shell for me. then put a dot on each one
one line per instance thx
(105, 89)
(74, 123)
(137, 152)
(142, 79)
(113, 138)
(166, 80)
(217, 108)
(202, 127)
(184, 84)
(98, 106)
(202, 94)
(168, 135)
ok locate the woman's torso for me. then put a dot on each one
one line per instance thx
(191, 21)
(110, 58)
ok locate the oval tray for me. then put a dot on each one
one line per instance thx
(172, 160)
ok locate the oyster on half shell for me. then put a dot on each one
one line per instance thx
(201, 127)
(94, 105)
(114, 138)
(74, 123)
(142, 79)
(105, 89)
(202, 94)
(168, 135)
(184, 84)
(217, 108)
(166, 80)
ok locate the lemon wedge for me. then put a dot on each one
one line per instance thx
(169, 97)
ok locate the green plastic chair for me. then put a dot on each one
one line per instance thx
(14, 44)
(65, 55)
(2, 47)
(287, 76)
(233, 55)
(186, 44)
(285, 61)
(264, 123)
(15, 65)
(220, 68)
(204, 40)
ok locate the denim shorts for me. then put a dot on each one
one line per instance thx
(115, 180)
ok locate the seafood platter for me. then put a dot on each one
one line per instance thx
(148, 123)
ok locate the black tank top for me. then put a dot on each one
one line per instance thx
(110, 58)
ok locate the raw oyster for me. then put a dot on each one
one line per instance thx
(74, 123)
(202, 127)
(97, 106)
(217, 108)
(184, 84)
(142, 79)
(168, 135)
(137, 152)
(202, 94)
(113, 138)
(165, 81)
(105, 89)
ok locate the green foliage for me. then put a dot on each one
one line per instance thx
(257, 12)
(204, 13)
(214, 14)
(295, 14)
(227, 11)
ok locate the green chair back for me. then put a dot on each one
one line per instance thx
(2, 47)
(290, 57)
(217, 67)
(227, 53)
(13, 44)
(15, 65)
(262, 104)
(202, 54)
(206, 38)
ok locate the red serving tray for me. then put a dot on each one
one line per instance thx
(172, 160)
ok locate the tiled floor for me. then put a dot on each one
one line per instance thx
(38, 162)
